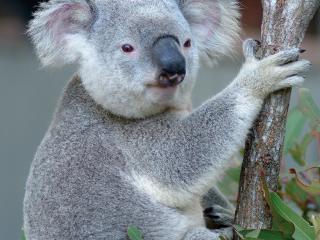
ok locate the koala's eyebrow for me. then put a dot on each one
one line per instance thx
(166, 36)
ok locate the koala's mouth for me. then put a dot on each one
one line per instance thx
(168, 81)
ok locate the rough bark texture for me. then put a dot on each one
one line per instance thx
(284, 25)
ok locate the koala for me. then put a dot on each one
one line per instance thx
(125, 147)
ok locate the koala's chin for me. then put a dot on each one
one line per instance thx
(152, 102)
(162, 95)
(161, 99)
(133, 103)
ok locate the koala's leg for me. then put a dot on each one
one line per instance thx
(205, 234)
(218, 208)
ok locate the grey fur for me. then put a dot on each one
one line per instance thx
(118, 153)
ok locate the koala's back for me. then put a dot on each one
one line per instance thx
(76, 188)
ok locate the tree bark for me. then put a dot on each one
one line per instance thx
(284, 25)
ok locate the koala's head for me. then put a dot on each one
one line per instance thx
(136, 57)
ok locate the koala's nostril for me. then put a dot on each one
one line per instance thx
(173, 63)
(175, 68)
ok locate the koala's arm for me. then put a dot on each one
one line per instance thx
(200, 145)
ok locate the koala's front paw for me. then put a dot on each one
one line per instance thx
(272, 73)
(219, 215)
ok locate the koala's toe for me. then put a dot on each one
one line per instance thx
(295, 68)
(283, 57)
(290, 82)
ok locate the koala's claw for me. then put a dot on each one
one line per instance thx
(219, 215)
(258, 42)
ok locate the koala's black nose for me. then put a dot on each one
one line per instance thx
(170, 61)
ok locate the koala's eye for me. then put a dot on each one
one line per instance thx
(127, 48)
(187, 44)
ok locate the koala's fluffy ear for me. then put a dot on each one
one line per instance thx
(56, 28)
(215, 26)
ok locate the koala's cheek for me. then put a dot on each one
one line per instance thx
(133, 55)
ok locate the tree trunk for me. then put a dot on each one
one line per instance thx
(284, 25)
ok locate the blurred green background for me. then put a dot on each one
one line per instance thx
(28, 95)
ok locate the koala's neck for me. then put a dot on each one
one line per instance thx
(77, 108)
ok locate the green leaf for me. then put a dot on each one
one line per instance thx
(279, 223)
(250, 238)
(241, 231)
(134, 233)
(303, 230)
(309, 108)
(295, 124)
(260, 234)
(272, 235)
